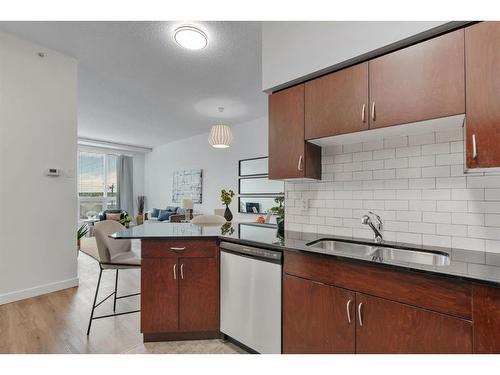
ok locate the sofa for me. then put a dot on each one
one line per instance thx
(171, 214)
(104, 214)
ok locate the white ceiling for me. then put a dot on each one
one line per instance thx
(137, 86)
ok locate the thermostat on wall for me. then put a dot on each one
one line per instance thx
(54, 172)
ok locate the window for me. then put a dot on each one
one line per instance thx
(97, 182)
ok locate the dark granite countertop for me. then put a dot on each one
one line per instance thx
(465, 264)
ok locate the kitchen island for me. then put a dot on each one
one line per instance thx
(335, 299)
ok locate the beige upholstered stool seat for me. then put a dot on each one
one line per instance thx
(208, 219)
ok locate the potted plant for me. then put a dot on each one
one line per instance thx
(126, 221)
(140, 208)
(279, 210)
(81, 232)
(226, 198)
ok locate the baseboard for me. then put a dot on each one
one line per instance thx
(37, 290)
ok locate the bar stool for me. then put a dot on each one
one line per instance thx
(111, 254)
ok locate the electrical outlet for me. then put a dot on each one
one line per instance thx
(304, 203)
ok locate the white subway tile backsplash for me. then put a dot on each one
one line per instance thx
(416, 183)
(436, 171)
(421, 139)
(396, 142)
(402, 152)
(422, 161)
(438, 148)
(362, 156)
(384, 154)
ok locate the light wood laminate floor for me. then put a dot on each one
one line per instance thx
(57, 322)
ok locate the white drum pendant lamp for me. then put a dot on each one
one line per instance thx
(220, 135)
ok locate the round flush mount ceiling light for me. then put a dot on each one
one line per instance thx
(190, 37)
(220, 135)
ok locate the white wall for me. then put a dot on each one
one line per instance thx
(38, 126)
(291, 50)
(220, 166)
(415, 183)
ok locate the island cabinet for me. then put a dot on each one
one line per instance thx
(290, 156)
(342, 306)
(482, 62)
(179, 289)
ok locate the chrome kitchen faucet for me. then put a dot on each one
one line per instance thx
(377, 228)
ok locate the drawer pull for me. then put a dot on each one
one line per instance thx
(349, 311)
(360, 313)
(178, 248)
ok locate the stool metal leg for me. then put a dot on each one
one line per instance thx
(116, 288)
(95, 299)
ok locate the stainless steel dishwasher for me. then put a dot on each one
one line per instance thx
(250, 298)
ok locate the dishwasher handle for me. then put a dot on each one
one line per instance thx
(252, 251)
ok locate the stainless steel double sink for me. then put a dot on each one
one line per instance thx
(381, 252)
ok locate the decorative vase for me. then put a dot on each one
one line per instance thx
(139, 219)
(281, 227)
(228, 215)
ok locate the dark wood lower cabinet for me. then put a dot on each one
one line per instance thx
(384, 326)
(179, 290)
(316, 318)
(486, 316)
(198, 294)
(159, 293)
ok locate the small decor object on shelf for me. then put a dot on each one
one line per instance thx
(280, 212)
(141, 199)
(226, 229)
(187, 206)
(260, 219)
(226, 198)
(126, 221)
(81, 232)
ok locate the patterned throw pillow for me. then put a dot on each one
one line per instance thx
(156, 212)
(115, 217)
(164, 215)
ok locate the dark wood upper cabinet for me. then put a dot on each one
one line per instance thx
(421, 82)
(482, 63)
(159, 293)
(198, 294)
(383, 327)
(316, 318)
(289, 155)
(337, 103)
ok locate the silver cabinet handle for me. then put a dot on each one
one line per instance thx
(373, 111)
(348, 306)
(178, 248)
(360, 314)
(175, 272)
(474, 147)
(299, 165)
(182, 271)
(363, 113)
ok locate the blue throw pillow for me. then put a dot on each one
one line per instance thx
(156, 212)
(164, 215)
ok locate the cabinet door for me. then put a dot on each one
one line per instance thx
(421, 82)
(289, 155)
(486, 305)
(316, 317)
(159, 290)
(198, 294)
(482, 61)
(337, 103)
(384, 326)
